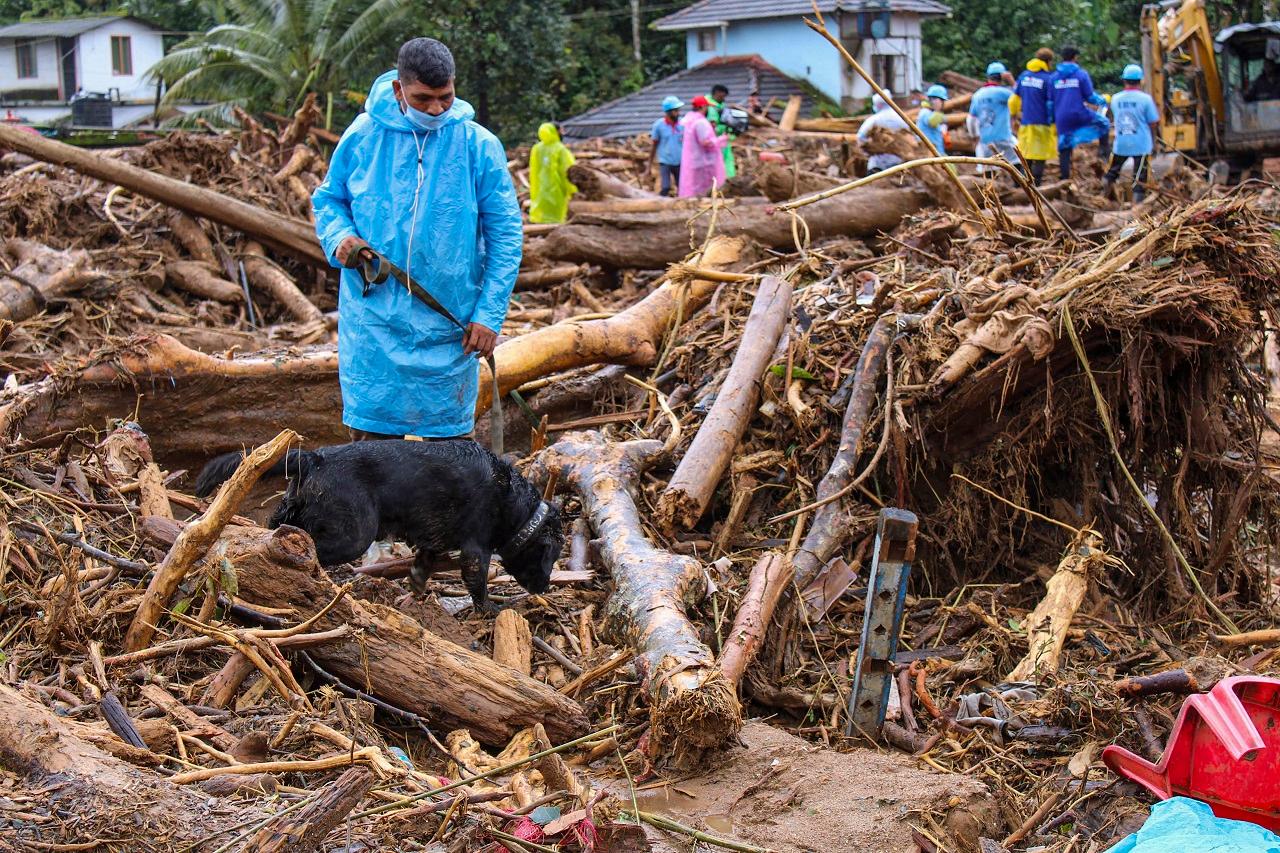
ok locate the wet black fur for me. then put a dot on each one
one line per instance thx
(437, 496)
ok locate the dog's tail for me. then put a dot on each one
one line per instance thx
(219, 469)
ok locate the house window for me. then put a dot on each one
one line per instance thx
(707, 41)
(26, 50)
(122, 56)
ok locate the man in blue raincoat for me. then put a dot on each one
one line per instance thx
(420, 182)
(1077, 124)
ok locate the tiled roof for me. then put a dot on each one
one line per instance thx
(634, 114)
(64, 27)
(706, 13)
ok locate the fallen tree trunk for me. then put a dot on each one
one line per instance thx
(830, 528)
(106, 797)
(389, 654)
(647, 244)
(692, 485)
(39, 274)
(629, 337)
(595, 184)
(304, 831)
(292, 235)
(661, 204)
(199, 279)
(264, 274)
(938, 180)
(693, 707)
(782, 183)
(547, 276)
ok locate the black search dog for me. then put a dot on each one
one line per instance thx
(437, 496)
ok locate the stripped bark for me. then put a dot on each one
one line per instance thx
(770, 578)
(513, 641)
(195, 540)
(1048, 624)
(267, 276)
(691, 487)
(693, 707)
(598, 184)
(36, 274)
(830, 529)
(202, 280)
(304, 830)
(192, 237)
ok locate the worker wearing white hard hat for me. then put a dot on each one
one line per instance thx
(886, 117)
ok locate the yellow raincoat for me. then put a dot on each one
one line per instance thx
(1035, 141)
(549, 187)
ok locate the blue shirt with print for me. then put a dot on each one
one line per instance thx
(990, 106)
(670, 141)
(1133, 111)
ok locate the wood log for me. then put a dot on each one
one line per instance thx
(781, 183)
(635, 242)
(304, 830)
(629, 337)
(1048, 624)
(202, 280)
(770, 578)
(547, 276)
(389, 654)
(196, 539)
(38, 274)
(293, 235)
(830, 529)
(694, 482)
(661, 204)
(192, 237)
(693, 707)
(265, 275)
(513, 642)
(80, 779)
(790, 113)
(594, 184)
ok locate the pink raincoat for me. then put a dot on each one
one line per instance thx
(701, 161)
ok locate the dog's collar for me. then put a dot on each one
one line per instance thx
(531, 527)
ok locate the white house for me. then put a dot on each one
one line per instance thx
(43, 64)
(883, 35)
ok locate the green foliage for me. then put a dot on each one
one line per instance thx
(272, 53)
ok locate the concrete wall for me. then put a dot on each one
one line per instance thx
(46, 66)
(94, 60)
(121, 115)
(797, 51)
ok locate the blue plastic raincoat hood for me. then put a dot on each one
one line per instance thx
(400, 364)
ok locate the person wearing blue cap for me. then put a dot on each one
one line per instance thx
(1072, 95)
(932, 120)
(1136, 119)
(668, 142)
(989, 110)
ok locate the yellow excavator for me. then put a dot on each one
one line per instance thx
(1219, 95)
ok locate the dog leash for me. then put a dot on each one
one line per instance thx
(374, 269)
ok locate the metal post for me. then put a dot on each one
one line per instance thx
(882, 622)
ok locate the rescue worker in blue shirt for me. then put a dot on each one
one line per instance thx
(1136, 120)
(932, 120)
(990, 108)
(418, 181)
(668, 143)
(1034, 101)
(1077, 124)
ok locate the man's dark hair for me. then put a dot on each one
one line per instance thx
(1069, 53)
(720, 87)
(425, 61)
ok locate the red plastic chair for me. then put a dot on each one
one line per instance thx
(1224, 750)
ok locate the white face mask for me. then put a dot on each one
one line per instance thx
(425, 121)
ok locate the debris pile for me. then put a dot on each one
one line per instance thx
(1071, 396)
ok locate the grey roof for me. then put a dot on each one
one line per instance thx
(707, 13)
(1227, 34)
(634, 114)
(63, 27)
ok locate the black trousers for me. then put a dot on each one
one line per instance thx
(1141, 171)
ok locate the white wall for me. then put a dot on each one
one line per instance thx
(121, 115)
(94, 60)
(46, 66)
(903, 44)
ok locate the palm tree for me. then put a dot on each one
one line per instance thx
(271, 53)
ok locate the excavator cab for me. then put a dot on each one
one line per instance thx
(1249, 62)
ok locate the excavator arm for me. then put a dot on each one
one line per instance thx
(1176, 38)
